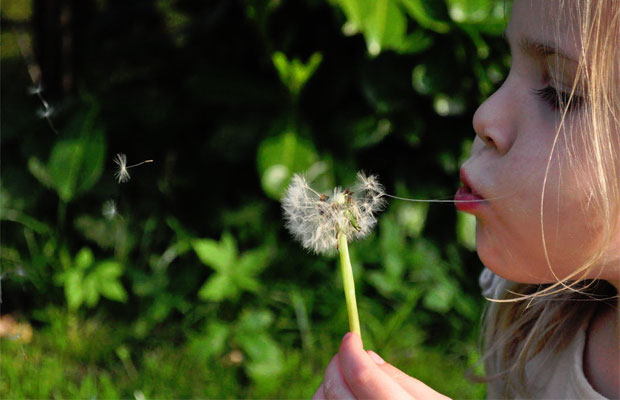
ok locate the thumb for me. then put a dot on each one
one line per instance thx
(363, 375)
(413, 386)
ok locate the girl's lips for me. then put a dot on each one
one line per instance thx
(466, 200)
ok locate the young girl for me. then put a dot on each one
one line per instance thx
(547, 156)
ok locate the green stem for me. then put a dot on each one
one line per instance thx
(349, 284)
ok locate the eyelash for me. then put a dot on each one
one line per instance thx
(557, 99)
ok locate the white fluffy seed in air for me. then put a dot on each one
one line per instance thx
(121, 174)
(109, 210)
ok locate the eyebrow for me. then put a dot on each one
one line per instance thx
(539, 49)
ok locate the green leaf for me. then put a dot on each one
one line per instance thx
(112, 289)
(385, 284)
(266, 359)
(412, 217)
(428, 14)
(469, 11)
(294, 74)
(466, 230)
(83, 259)
(467, 307)
(253, 321)
(279, 158)
(218, 288)
(216, 337)
(89, 289)
(40, 172)
(439, 297)
(73, 289)
(108, 270)
(212, 342)
(356, 12)
(252, 262)
(218, 255)
(246, 282)
(416, 42)
(76, 161)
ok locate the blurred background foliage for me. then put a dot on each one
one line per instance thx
(183, 282)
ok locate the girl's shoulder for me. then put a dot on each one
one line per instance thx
(492, 285)
(552, 373)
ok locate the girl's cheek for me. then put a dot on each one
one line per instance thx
(476, 146)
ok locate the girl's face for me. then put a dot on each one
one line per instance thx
(517, 153)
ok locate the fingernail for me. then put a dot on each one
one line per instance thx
(375, 357)
(347, 335)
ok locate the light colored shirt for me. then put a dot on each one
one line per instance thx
(549, 375)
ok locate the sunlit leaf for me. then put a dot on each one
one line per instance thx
(266, 358)
(40, 172)
(76, 161)
(218, 255)
(428, 14)
(108, 270)
(255, 320)
(84, 259)
(294, 73)
(253, 261)
(73, 289)
(89, 289)
(279, 158)
(112, 289)
(212, 342)
(466, 230)
(218, 288)
(439, 297)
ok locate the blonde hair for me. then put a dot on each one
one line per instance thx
(530, 318)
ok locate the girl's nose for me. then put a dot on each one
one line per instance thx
(494, 120)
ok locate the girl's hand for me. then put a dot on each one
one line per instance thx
(355, 373)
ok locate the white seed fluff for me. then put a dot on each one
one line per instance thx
(315, 220)
(109, 210)
(121, 174)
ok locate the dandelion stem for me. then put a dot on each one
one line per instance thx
(138, 164)
(349, 284)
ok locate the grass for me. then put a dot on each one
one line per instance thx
(73, 358)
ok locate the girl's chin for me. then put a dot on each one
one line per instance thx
(492, 251)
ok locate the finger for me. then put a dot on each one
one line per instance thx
(334, 385)
(414, 387)
(363, 376)
(318, 395)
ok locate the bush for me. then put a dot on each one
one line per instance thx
(182, 282)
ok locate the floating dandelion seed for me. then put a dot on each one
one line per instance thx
(109, 210)
(316, 219)
(45, 113)
(121, 174)
(324, 223)
(35, 90)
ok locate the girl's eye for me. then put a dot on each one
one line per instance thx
(558, 100)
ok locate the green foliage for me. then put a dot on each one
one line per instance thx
(234, 272)
(294, 74)
(279, 158)
(76, 160)
(231, 99)
(84, 280)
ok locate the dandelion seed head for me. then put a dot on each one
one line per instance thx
(315, 219)
(121, 174)
(370, 193)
